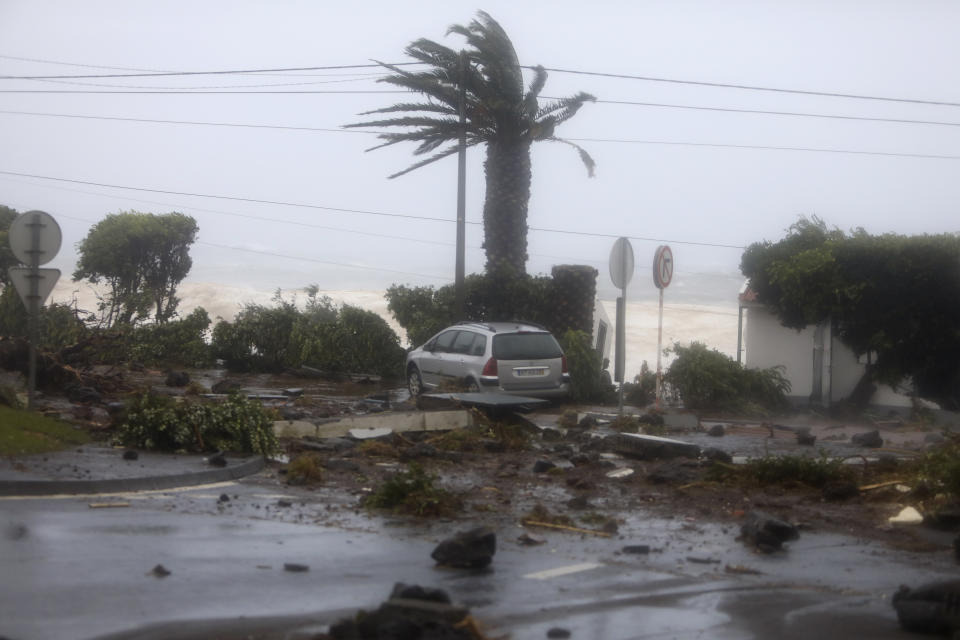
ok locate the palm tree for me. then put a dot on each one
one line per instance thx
(499, 113)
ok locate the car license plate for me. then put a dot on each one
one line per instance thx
(531, 371)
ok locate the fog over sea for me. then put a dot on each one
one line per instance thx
(698, 306)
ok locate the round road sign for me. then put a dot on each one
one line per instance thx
(662, 267)
(621, 263)
(35, 238)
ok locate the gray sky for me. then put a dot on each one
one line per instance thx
(668, 192)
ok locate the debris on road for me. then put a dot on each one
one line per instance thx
(411, 611)
(530, 540)
(739, 569)
(473, 549)
(766, 532)
(295, 567)
(637, 549)
(636, 445)
(565, 527)
(130, 454)
(868, 440)
(108, 505)
(159, 571)
(908, 515)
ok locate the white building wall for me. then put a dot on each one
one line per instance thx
(767, 343)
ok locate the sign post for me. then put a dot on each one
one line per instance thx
(34, 239)
(621, 271)
(662, 275)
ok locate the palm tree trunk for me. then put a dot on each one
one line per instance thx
(507, 170)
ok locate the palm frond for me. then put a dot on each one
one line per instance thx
(400, 107)
(585, 157)
(438, 156)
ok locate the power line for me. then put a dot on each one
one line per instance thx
(614, 102)
(159, 74)
(189, 122)
(747, 87)
(362, 78)
(888, 154)
(196, 93)
(360, 211)
(290, 257)
(622, 76)
(233, 198)
(779, 113)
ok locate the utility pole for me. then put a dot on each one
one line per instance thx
(459, 294)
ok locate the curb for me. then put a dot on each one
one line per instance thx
(117, 485)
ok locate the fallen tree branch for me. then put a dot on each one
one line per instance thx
(550, 525)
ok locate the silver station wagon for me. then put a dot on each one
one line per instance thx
(505, 357)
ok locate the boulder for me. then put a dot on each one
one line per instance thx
(473, 549)
(177, 379)
(931, 608)
(714, 454)
(869, 440)
(717, 431)
(766, 532)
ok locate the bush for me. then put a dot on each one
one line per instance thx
(322, 336)
(643, 390)
(179, 342)
(779, 470)
(413, 492)
(711, 381)
(236, 424)
(939, 469)
(587, 383)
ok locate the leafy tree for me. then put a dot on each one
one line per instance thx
(894, 297)
(7, 259)
(709, 380)
(499, 113)
(142, 257)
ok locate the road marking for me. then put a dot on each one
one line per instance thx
(123, 494)
(562, 571)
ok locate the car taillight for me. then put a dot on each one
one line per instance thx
(490, 369)
(564, 365)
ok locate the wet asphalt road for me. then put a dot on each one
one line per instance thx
(71, 572)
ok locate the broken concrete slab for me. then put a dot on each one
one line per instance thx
(370, 433)
(637, 445)
(399, 422)
(493, 402)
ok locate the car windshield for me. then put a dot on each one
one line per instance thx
(525, 346)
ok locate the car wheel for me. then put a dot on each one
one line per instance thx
(414, 382)
(472, 386)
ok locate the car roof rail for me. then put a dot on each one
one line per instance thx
(488, 327)
(531, 324)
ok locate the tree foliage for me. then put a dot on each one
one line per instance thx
(894, 297)
(142, 258)
(499, 112)
(345, 339)
(7, 259)
(712, 381)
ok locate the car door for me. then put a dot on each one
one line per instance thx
(461, 362)
(433, 362)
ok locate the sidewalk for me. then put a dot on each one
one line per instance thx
(92, 469)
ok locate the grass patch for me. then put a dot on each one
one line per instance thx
(414, 492)
(938, 470)
(458, 440)
(25, 432)
(785, 470)
(305, 470)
